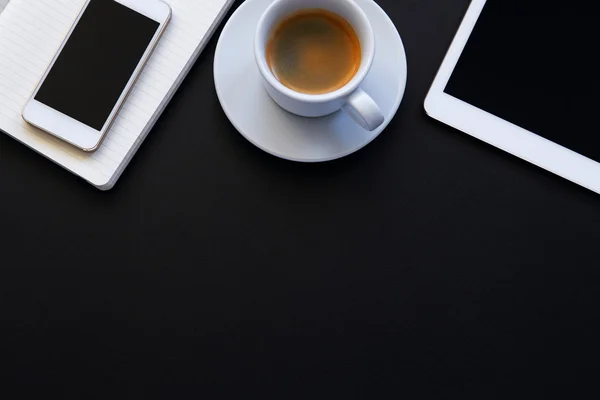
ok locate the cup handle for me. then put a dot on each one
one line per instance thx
(363, 110)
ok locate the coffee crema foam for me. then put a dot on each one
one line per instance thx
(314, 51)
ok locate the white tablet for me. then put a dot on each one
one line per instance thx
(523, 76)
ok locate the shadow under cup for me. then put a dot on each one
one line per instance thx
(313, 105)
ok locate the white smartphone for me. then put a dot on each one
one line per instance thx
(88, 80)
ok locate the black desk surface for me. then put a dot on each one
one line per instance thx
(428, 264)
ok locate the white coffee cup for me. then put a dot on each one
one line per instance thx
(351, 98)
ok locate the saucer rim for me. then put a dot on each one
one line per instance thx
(375, 134)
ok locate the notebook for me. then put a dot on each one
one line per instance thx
(31, 31)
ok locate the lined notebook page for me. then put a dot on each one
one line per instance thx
(31, 31)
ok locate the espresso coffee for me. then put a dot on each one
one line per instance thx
(314, 51)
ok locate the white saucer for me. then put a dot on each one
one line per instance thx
(261, 121)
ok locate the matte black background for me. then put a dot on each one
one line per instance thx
(95, 65)
(534, 63)
(428, 265)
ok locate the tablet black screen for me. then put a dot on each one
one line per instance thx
(534, 63)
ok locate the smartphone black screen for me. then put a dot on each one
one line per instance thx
(97, 61)
(534, 63)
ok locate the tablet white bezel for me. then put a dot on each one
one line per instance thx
(496, 131)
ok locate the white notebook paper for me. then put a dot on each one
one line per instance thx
(31, 31)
